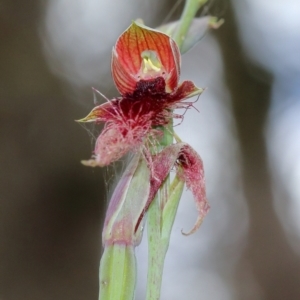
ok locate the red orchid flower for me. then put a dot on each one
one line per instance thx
(145, 68)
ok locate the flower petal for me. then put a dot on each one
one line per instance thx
(114, 142)
(127, 57)
(125, 81)
(192, 170)
(111, 145)
(100, 113)
(160, 166)
(186, 90)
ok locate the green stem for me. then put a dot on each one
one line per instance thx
(162, 211)
(156, 254)
(159, 231)
(190, 9)
(117, 273)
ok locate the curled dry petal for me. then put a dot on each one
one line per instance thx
(189, 168)
(144, 53)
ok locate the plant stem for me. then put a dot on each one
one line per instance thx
(159, 231)
(162, 211)
(190, 9)
(117, 272)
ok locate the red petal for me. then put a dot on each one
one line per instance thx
(193, 174)
(160, 167)
(111, 145)
(103, 113)
(173, 78)
(186, 89)
(124, 80)
(127, 60)
(114, 142)
(190, 169)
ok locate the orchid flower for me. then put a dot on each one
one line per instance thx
(145, 68)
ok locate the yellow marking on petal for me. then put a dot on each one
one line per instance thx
(150, 62)
(89, 118)
(90, 163)
(149, 66)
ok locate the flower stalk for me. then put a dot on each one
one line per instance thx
(159, 237)
(190, 9)
(117, 272)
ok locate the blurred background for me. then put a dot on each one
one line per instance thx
(247, 132)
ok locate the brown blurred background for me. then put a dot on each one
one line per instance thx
(50, 204)
(51, 207)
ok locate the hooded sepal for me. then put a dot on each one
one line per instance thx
(144, 53)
